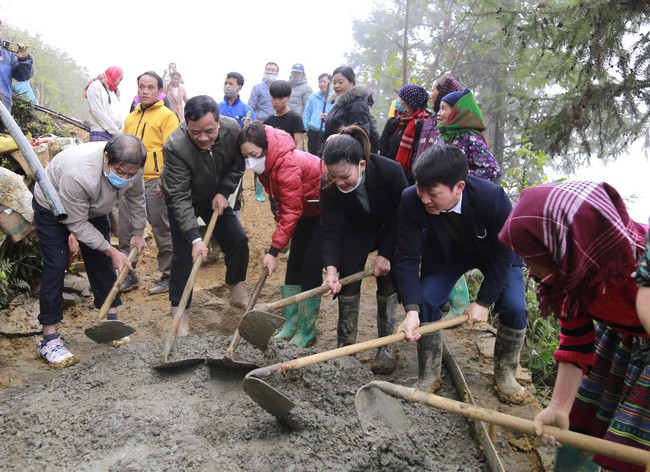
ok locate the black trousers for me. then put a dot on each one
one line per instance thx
(314, 142)
(53, 246)
(304, 266)
(232, 239)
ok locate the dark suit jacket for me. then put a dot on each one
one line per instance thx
(342, 212)
(484, 209)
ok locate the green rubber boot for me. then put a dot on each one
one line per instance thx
(259, 196)
(307, 315)
(290, 312)
(459, 299)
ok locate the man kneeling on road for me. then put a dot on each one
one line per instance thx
(449, 223)
(202, 168)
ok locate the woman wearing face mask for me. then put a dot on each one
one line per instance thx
(89, 180)
(399, 140)
(359, 202)
(292, 177)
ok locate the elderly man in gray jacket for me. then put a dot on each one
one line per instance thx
(203, 167)
(89, 180)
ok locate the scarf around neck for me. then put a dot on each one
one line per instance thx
(405, 151)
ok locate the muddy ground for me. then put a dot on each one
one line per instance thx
(114, 411)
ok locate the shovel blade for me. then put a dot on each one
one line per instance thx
(258, 326)
(179, 363)
(379, 413)
(267, 397)
(231, 364)
(108, 330)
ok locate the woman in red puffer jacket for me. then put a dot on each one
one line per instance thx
(292, 177)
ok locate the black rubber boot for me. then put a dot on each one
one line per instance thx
(429, 362)
(507, 350)
(346, 329)
(385, 361)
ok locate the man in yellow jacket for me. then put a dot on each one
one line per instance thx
(152, 122)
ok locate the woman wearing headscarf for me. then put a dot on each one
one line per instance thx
(460, 122)
(581, 246)
(430, 134)
(103, 97)
(400, 137)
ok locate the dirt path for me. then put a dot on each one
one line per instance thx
(112, 411)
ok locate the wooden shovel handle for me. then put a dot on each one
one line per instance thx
(358, 347)
(285, 302)
(116, 287)
(582, 441)
(236, 338)
(188, 287)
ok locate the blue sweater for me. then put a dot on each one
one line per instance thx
(313, 109)
(236, 111)
(12, 68)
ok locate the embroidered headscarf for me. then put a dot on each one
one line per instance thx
(416, 97)
(110, 78)
(445, 85)
(465, 117)
(581, 231)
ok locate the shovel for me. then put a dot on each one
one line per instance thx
(279, 405)
(105, 331)
(169, 340)
(227, 360)
(257, 326)
(376, 408)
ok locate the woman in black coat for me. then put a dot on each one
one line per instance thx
(350, 106)
(359, 200)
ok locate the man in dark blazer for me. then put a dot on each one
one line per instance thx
(449, 223)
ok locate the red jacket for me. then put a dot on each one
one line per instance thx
(291, 177)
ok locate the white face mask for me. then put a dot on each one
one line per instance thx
(256, 164)
(357, 184)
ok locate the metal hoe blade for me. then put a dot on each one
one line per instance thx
(267, 397)
(231, 364)
(108, 330)
(379, 413)
(258, 326)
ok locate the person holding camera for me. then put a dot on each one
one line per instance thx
(15, 63)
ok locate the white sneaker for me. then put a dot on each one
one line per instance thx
(56, 355)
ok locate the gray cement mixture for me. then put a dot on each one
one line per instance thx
(116, 412)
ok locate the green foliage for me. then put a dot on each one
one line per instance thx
(20, 266)
(542, 340)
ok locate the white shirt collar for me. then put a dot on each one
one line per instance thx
(456, 208)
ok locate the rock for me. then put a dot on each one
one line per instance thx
(70, 299)
(73, 283)
(21, 317)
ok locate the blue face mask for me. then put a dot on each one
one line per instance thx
(399, 106)
(115, 180)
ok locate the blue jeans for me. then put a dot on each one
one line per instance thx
(436, 289)
(53, 239)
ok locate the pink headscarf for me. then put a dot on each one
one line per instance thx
(582, 232)
(110, 78)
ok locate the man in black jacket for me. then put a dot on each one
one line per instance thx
(203, 166)
(460, 218)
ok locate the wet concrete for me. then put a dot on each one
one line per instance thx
(116, 412)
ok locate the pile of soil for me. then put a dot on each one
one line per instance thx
(114, 411)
